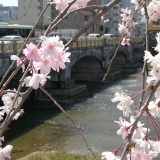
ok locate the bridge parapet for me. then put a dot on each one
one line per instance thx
(14, 46)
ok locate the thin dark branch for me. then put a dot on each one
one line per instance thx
(147, 48)
(92, 21)
(30, 33)
(137, 119)
(70, 118)
(63, 16)
(27, 9)
(111, 61)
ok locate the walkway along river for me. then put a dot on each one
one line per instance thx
(44, 127)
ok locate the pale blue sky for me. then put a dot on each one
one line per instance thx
(9, 2)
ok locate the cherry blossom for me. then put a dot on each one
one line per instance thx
(35, 80)
(137, 3)
(61, 4)
(137, 154)
(18, 114)
(5, 152)
(31, 52)
(109, 156)
(139, 131)
(126, 14)
(44, 65)
(123, 29)
(125, 102)
(154, 108)
(60, 59)
(157, 48)
(19, 61)
(9, 98)
(125, 41)
(124, 127)
(153, 10)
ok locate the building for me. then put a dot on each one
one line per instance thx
(29, 11)
(112, 18)
(8, 13)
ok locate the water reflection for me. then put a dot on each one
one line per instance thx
(44, 127)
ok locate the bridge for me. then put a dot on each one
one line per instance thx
(89, 62)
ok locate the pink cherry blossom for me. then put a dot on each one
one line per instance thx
(137, 154)
(125, 41)
(123, 29)
(51, 44)
(59, 60)
(61, 4)
(126, 14)
(31, 52)
(44, 64)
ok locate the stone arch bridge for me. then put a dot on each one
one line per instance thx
(89, 61)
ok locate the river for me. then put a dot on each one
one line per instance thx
(44, 127)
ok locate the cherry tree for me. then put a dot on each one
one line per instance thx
(37, 62)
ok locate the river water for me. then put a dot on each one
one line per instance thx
(44, 127)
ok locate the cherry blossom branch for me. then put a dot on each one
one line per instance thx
(63, 16)
(70, 118)
(5, 123)
(119, 44)
(147, 48)
(10, 118)
(92, 21)
(60, 16)
(10, 77)
(30, 33)
(137, 119)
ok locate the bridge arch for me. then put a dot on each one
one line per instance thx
(121, 55)
(88, 68)
(137, 54)
(76, 56)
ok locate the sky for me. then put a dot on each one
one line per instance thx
(9, 2)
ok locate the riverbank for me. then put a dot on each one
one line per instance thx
(52, 155)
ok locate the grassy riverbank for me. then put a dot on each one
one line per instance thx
(57, 156)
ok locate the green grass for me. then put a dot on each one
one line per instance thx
(56, 156)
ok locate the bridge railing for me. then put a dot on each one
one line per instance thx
(14, 46)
